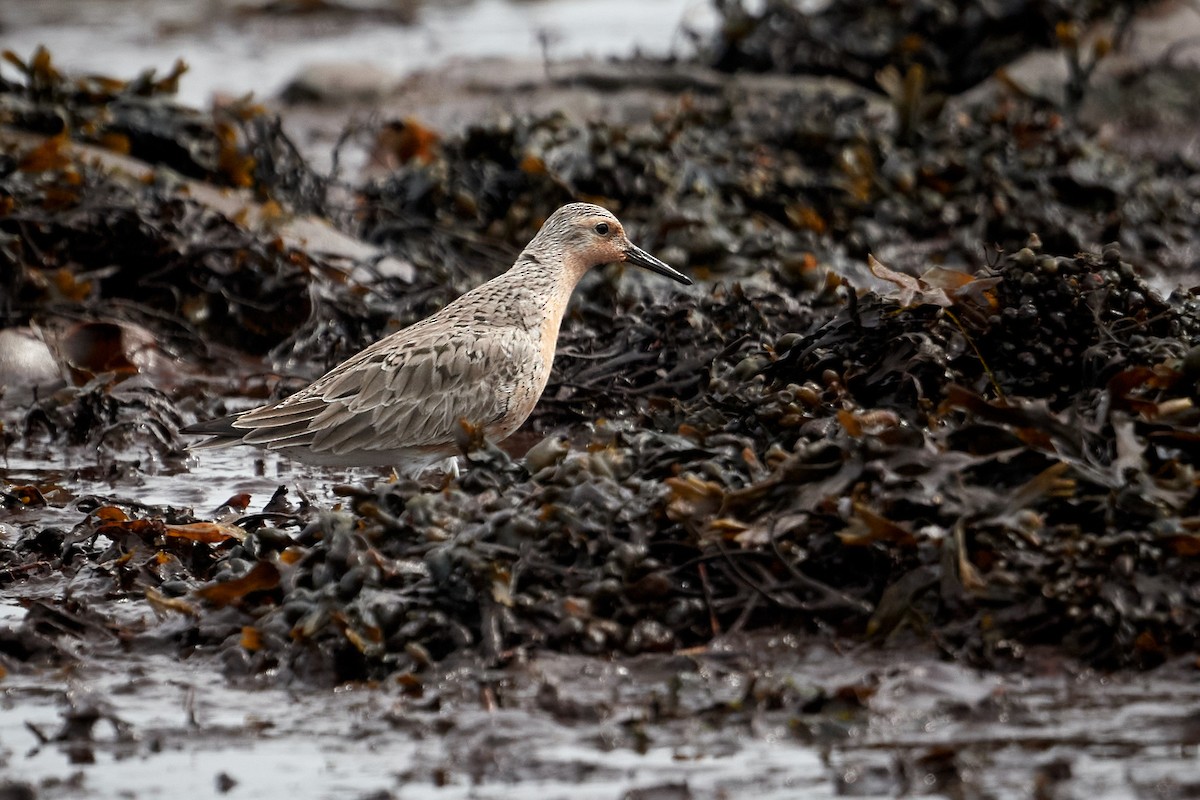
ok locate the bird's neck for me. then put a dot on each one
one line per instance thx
(553, 273)
(558, 264)
(549, 276)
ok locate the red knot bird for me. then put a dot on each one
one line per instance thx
(484, 360)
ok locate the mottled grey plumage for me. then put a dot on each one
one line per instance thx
(483, 359)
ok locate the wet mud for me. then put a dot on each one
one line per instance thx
(900, 499)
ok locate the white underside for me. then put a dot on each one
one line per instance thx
(404, 462)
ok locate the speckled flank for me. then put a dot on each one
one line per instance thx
(485, 358)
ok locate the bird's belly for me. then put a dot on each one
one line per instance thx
(406, 461)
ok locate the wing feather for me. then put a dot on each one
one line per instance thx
(285, 413)
(402, 394)
(301, 438)
(414, 396)
(352, 433)
(373, 390)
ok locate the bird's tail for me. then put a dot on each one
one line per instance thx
(220, 433)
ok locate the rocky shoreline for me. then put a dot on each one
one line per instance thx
(936, 392)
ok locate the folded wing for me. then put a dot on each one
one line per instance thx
(397, 395)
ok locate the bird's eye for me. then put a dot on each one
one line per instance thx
(602, 228)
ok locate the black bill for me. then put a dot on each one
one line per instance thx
(636, 255)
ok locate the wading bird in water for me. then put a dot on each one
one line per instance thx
(484, 360)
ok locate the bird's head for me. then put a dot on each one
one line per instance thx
(588, 236)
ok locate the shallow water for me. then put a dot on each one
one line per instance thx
(927, 729)
(236, 55)
(201, 483)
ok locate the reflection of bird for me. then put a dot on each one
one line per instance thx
(484, 360)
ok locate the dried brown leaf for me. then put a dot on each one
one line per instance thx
(161, 602)
(693, 498)
(262, 577)
(210, 532)
(867, 527)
